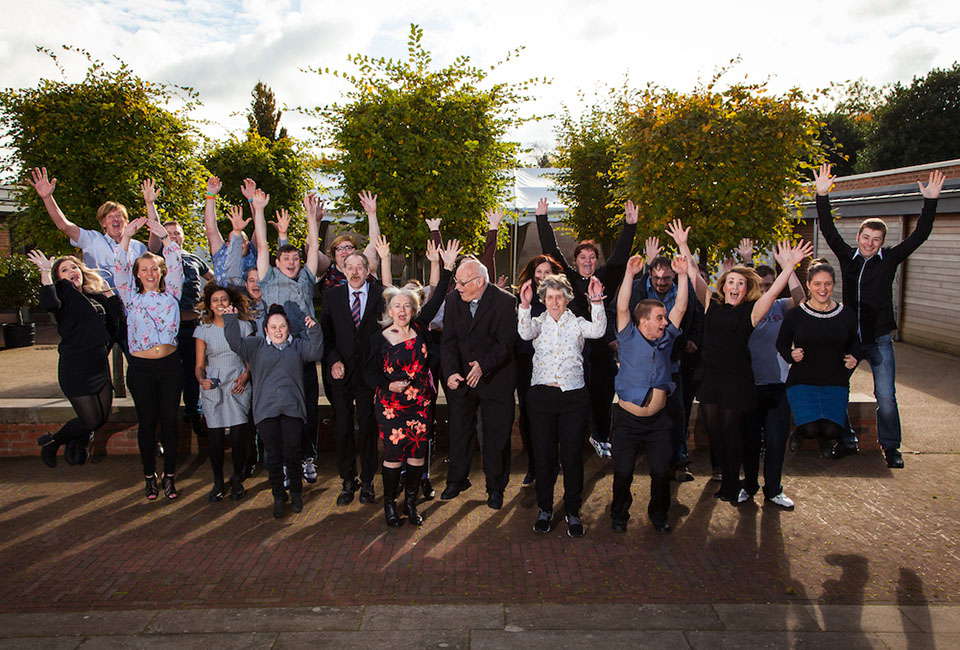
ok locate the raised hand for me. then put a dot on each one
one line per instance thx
(790, 255)
(494, 217)
(368, 201)
(314, 206)
(449, 252)
(229, 309)
(133, 226)
(237, 222)
(214, 185)
(383, 247)
(651, 249)
(156, 229)
(248, 188)
(679, 234)
(542, 206)
(679, 265)
(745, 249)
(38, 180)
(595, 289)
(632, 213)
(282, 224)
(934, 185)
(260, 199)
(526, 294)
(149, 190)
(38, 258)
(433, 254)
(502, 282)
(823, 180)
(796, 354)
(727, 265)
(309, 322)
(432, 224)
(634, 265)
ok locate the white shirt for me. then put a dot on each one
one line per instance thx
(558, 344)
(364, 292)
(99, 252)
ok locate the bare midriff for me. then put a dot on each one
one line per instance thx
(658, 399)
(156, 352)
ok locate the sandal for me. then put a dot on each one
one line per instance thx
(152, 490)
(169, 489)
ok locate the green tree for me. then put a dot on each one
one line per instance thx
(281, 169)
(264, 118)
(429, 142)
(918, 123)
(728, 163)
(101, 137)
(587, 181)
(847, 126)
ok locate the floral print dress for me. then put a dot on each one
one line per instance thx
(404, 418)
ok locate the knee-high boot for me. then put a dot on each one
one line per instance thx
(391, 484)
(411, 488)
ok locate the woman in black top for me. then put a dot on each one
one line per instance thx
(536, 270)
(820, 341)
(727, 389)
(404, 393)
(88, 317)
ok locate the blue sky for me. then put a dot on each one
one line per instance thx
(222, 48)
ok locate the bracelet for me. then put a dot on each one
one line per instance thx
(211, 195)
(249, 200)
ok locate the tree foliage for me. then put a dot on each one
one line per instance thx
(264, 118)
(101, 137)
(429, 141)
(918, 123)
(849, 124)
(281, 168)
(729, 163)
(587, 181)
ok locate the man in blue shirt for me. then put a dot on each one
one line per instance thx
(645, 342)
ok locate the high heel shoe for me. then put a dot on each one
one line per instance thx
(153, 491)
(169, 489)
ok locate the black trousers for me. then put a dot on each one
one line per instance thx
(187, 346)
(600, 368)
(629, 432)
(769, 425)
(524, 376)
(281, 442)
(349, 398)
(559, 419)
(155, 386)
(497, 416)
(217, 438)
(723, 430)
(678, 428)
(310, 428)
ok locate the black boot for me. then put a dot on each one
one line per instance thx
(48, 449)
(296, 501)
(279, 498)
(411, 489)
(391, 483)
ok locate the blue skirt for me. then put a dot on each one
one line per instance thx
(811, 403)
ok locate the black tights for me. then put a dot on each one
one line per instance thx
(92, 413)
(238, 434)
(723, 430)
(824, 429)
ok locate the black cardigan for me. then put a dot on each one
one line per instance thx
(82, 327)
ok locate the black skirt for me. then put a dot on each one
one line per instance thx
(84, 373)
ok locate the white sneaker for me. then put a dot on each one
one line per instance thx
(309, 471)
(607, 449)
(782, 500)
(743, 496)
(598, 447)
(286, 479)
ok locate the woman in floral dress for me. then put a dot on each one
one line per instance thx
(398, 371)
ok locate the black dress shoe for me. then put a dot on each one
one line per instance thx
(216, 493)
(296, 501)
(453, 490)
(662, 527)
(840, 450)
(367, 495)
(48, 449)
(236, 488)
(796, 440)
(346, 493)
(278, 502)
(893, 457)
(619, 525)
(495, 499)
(724, 497)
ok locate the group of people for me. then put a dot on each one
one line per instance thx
(646, 330)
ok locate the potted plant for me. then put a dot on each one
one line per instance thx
(19, 289)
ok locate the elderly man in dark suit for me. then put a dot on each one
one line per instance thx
(349, 319)
(476, 358)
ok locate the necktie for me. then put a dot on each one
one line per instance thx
(355, 309)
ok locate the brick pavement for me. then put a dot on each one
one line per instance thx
(84, 538)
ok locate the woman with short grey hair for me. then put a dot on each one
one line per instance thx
(558, 400)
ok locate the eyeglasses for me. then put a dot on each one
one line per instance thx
(463, 283)
(343, 248)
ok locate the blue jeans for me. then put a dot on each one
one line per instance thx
(880, 356)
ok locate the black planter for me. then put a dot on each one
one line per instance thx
(19, 336)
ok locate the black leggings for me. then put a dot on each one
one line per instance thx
(155, 385)
(723, 430)
(238, 440)
(821, 429)
(92, 413)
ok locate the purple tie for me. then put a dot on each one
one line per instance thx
(355, 309)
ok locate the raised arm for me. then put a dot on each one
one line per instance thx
(527, 327)
(625, 241)
(823, 182)
(433, 256)
(369, 203)
(171, 255)
(150, 193)
(386, 265)
(449, 255)
(680, 236)
(788, 256)
(38, 180)
(745, 250)
(681, 268)
(260, 201)
(597, 325)
(314, 208)
(123, 261)
(634, 266)
(214, 238)
(930, 192)
(797, 293)
(651, 249)
(548, 240)
(489, 258)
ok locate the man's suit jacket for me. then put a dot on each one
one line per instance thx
(488, 338)
(342, 341)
